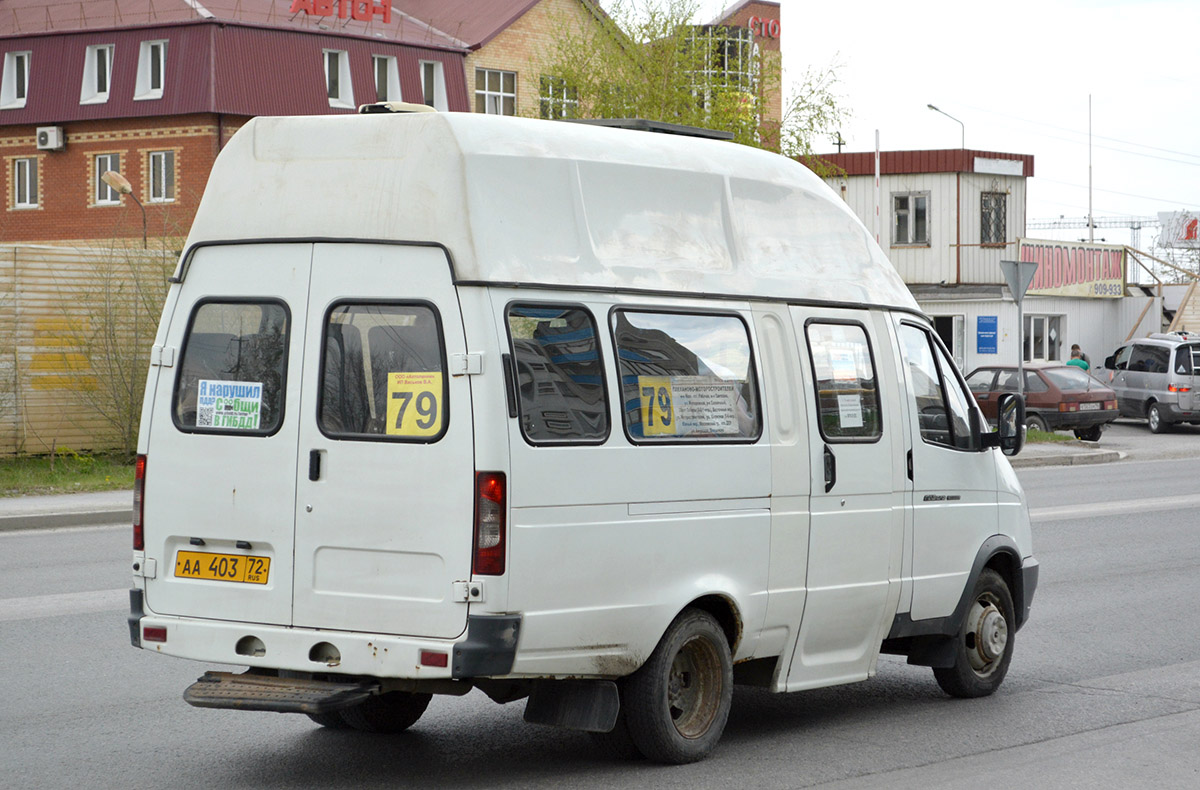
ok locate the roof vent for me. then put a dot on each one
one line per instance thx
(393, 106)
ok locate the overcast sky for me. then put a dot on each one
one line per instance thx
(1018, 75)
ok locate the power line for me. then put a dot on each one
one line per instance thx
(1159, 198)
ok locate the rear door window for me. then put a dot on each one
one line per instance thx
(383, 373)
(847, 388)
(233, 368)
(1187, 360)
(559, 374)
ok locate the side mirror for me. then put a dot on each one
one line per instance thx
(1010, 423)
(1110, 363)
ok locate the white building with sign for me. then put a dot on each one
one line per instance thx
(947, 218)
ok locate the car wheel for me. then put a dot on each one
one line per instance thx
(332, 720)
(395, 711)
(1035, 423)
(985, 642)
(1154, 419)
(677, 704)
(1089, 434)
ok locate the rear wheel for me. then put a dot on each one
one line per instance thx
(1035, 423)
(985, 641)
(1089, 434)
(677, 704)
(395, 711)
(333, 721)
(1154, 419)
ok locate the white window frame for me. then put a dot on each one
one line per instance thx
(160, 165)
(14, 86)
(340, 94)
(391, 72)
(433, 72)
(151, 53)
(909, 219)
(491, 98)
(90, 92)
(25, 169)
(557, 98)
(104, 195)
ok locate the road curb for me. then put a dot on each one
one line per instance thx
(73, 518)
(1068, 459)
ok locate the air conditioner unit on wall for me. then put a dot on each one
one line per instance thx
(51, 138)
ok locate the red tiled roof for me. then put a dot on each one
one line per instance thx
(23, 17)
(951, 160)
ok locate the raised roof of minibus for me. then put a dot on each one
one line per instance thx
(550, 203)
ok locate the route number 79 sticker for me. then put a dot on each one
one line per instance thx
(414, 405)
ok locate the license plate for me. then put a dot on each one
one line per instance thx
(1089, 406)
(222, 567)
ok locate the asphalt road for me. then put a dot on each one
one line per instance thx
(1104, 689)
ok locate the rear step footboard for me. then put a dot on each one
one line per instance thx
(282, 695)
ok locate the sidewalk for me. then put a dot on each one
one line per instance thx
(66, 510)
(116, 507)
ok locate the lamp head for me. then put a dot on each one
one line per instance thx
(117, 182)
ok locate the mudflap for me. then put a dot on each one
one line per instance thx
(590, 705)
(282, 695)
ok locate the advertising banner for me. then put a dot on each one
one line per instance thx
(1066, 268)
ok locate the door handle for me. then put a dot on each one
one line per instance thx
(830, 470)
(314, 464)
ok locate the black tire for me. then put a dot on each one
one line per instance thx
(332, 721)
(677, 704)
(1035, 423)
(617, 744)
(1155, 421)
(395, 711)
(1089, 434)
(985, 642)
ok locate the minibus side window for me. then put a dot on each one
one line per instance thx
(844, 376)
(233, 368)
(686, 377)
(383, 373)
(559, 374)
(943, 412)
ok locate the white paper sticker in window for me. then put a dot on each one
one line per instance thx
(850, 411)
(229, 404)
(688, 405)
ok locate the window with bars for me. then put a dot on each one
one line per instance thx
(162, 176)
(910, 218)
(993, 220)
(25, 183)
(495, 92)
(557, 99)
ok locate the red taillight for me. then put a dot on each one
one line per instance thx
(1110, 404)
(154, 633)
(489, 523)
(139, 499)
(1068, 407)
(432, 658)
(1174, 388)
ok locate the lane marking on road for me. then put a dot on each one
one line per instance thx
(38, 606)
(1117, 508)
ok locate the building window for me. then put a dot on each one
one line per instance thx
(724, 59)
(337, 79)
(14, 86)
(433, 85)
(387, 78)
(910, 211)
(152, 65)
(162, 176)
(25, 183)
(558, 99)
(993, 219)
(97, 74)
(106, 195)
(495, 92)
(1042, 338)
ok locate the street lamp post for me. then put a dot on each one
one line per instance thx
(121, 184)
(951, 117)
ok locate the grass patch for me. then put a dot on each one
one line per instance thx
(68, 472)
(1033, 436)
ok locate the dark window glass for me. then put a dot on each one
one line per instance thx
(943, 411)
(993, 217)
(1034, 383)
(847, 387)
(686, 377)
(383, 374)
(1069, 379)
(981, 380)
(1149, 359)
(559, 374)
(232, 369)
(1187, 360)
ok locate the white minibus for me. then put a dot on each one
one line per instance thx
(606, 420)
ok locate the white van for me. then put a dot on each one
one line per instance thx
(608, 419)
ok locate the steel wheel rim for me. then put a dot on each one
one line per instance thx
(1153, 418)
(694, 687)
(987, 635)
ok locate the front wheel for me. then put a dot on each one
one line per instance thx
(677, 704)
(985, 641)
(1154, 419)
